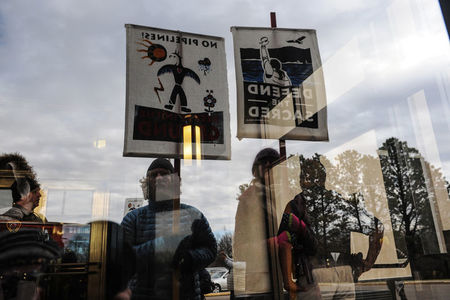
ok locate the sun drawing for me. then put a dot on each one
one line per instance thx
(155, 52)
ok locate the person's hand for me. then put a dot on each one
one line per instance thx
(292, 287)
(284, 238)
(124, 295)
(222, 255)
(296, 225)
(264, 41)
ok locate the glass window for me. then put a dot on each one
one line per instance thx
(362, 211)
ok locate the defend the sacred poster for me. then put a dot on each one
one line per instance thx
(176, 95)
(280, 85)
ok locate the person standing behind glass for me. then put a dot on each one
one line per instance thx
(251, 269)
(167, 258)
(25, 190)
(327, 216)
(296, 244)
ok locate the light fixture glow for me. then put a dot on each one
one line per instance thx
(187, 144)
(198, 145)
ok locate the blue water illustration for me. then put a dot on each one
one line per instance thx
(253, 71)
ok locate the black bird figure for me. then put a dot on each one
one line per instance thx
(298, 41)
(179, 72)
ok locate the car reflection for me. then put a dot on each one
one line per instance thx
(219, 277)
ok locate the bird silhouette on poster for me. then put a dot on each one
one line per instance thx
(179, 72)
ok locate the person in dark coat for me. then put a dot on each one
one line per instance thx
(171, 246)
(309, 236)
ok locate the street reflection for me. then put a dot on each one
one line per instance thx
(305, 228)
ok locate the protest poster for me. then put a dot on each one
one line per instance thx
(280, 85)
(176, 95)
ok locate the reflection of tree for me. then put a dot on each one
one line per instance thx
(408, 200)
(323, 206)
(333, 218)
(357, 210)
(225, 244)
(355, 176)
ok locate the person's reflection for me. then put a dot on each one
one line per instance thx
(25, 189)
(296, 243)
(329, 217)
(169, 260)
(27, 250)
(250, 251)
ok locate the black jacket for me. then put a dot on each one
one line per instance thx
(160, 253)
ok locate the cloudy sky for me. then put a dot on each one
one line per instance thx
(62, 88)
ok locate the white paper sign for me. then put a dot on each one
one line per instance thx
(280, 86)
(174, 80)
(132, 204)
